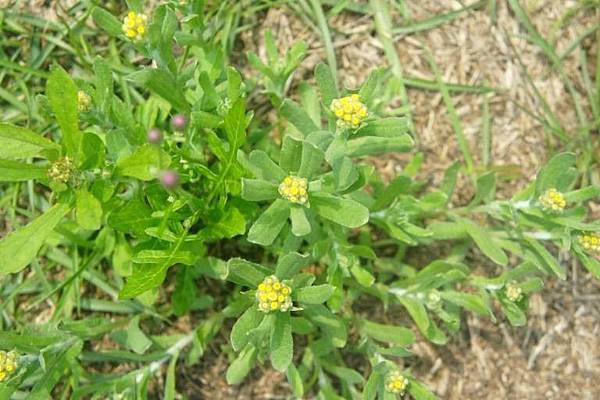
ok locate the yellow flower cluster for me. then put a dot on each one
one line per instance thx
(8, 364)
(294, 189)
(134, 25)
(513, 292)
(61, 170)
(273, 295)
(349, 110)
(84, 101)
(396, 383)
(590, 241)
(553, 200)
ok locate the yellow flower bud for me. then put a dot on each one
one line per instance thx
(349, 110)
(276, 297)
(294, 189)
(134, 25)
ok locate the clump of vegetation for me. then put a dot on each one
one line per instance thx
(160, 183)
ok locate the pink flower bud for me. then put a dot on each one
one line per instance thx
(169, 179)
(154, 136)
(179, 122)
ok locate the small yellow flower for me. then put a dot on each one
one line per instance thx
(590, 241)
(61, 170)
(396, 383)
(84, 101)
(134, 25)
(513, 292)
(294, 189)
(349, 110)
(8, 364)
(553, 200)
(272, 295)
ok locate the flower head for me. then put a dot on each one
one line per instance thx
(61, 170)
(154, 136)
(396, 383)
(294, 189)
(553, 200)
(179, 122)
(169, 179)
(513, 292)
(273, 295)
(84, 101)
(349, 110)
(134, 25)
(590, 241)
(8, 364)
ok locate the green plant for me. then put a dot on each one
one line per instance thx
(309, 239)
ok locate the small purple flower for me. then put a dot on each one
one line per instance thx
(179, 122)
(154, 136)
(169, 179)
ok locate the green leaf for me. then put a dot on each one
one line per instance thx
(20, 247)
(88, 210)
(312, 160)
(559, 174)
(242, 327)
(235, 124)
(107, 21)
(162, 256)
(136, 339)
(331, 325)
(244, 272)
(291, 153)
(258, 190)
(300, 224)
(162, 82)
(373, 145)
(151, 275)
(373, 383)
(546, 258)
(62, 96)
(397, 335)
(93, 151)
(313, 294)
(468, 301)
(326, 84)
(367, 90)
(384, 127)
(420, 391)
(485, 241)
(291, 264)
(17, 171)
(144, 163)
(265, 168)
(242, 365)
(340, 210)
(294, 113)
(269, 224)
(282, 345)
(362, 276)
(419, 315)
(17, 142)
(295, 381)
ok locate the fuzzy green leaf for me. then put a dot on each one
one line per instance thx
(62, 96)
(17, 142)
(88, 211)
(20, 247)
(17, 171)
(269, 224)
(340, 210)
(313, 294)
(282, 345)
(290, 264)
